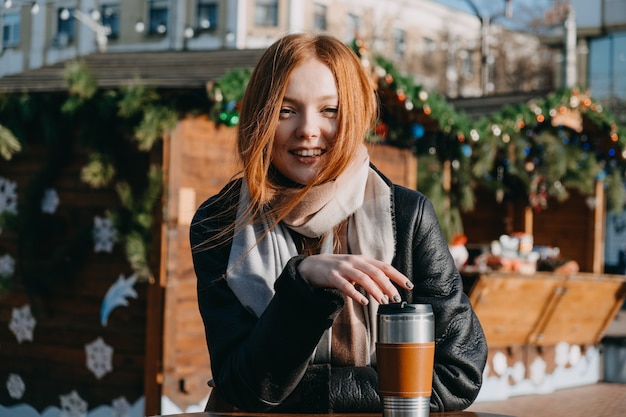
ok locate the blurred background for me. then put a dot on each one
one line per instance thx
(118, 118)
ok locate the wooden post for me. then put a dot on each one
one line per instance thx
(528, 220)
(447, 182)
(153, 372)
(599, 215)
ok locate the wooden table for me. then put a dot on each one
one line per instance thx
(239, 414)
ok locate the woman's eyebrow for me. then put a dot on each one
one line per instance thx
(321, 98)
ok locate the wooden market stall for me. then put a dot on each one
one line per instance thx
(549, 191)
(83, 241)
(545, 323)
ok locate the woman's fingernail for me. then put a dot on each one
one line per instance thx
(364, 301)
(397, 298)
(409, 284)
(385, 299)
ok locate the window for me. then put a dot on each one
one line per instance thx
(607, 60)
(467, 66)
(319, 17)
(429, 46)
(111, 19)
(11, 29)
(266, 13)
(352, 27)
(66, 25)
(399, 42)
(207, 15)
(157, 17)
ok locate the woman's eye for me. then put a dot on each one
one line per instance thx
(285, 112)
(331, 110)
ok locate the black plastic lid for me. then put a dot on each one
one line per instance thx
(396, 308)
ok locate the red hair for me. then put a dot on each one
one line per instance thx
(260, 112)
(263, 99)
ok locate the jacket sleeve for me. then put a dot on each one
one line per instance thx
(460, 347)
(262, 363)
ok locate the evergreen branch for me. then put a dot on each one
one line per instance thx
(156, 122)
(80, 79)
(134, 99)
(125, 194)
(137, 255)
(99, 172)
(616, 193)
(9, 144)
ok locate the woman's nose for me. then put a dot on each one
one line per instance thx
(309, 125)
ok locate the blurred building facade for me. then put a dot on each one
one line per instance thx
(442, 48)
(601, 29)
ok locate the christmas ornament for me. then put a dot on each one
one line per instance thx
(117, 296)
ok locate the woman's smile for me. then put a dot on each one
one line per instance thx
(307, 152)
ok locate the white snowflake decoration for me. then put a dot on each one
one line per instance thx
(575, 354)
(8, 196)
(561, 353)
(121, 407)
(499, 363)
(99, 357)
(7, 265)
(22, 323)
(72, 405)
(104, 234)
(518, 372)
(50, 201)
(538, 371)
(15, 386)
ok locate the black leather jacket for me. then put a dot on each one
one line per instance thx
(261, 364)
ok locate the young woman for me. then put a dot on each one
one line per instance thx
(294, 256)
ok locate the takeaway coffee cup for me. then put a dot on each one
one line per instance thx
(405, 354)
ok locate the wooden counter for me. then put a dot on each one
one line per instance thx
(545, 308)
(543, 330)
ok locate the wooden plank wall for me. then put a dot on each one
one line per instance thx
(489, 220)
(67, 314)
(202, 159)
(569, 226)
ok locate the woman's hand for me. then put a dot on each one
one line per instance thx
(345, 272)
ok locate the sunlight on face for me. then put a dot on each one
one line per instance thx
(308, 122)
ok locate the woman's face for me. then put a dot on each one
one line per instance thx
(308, 122)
